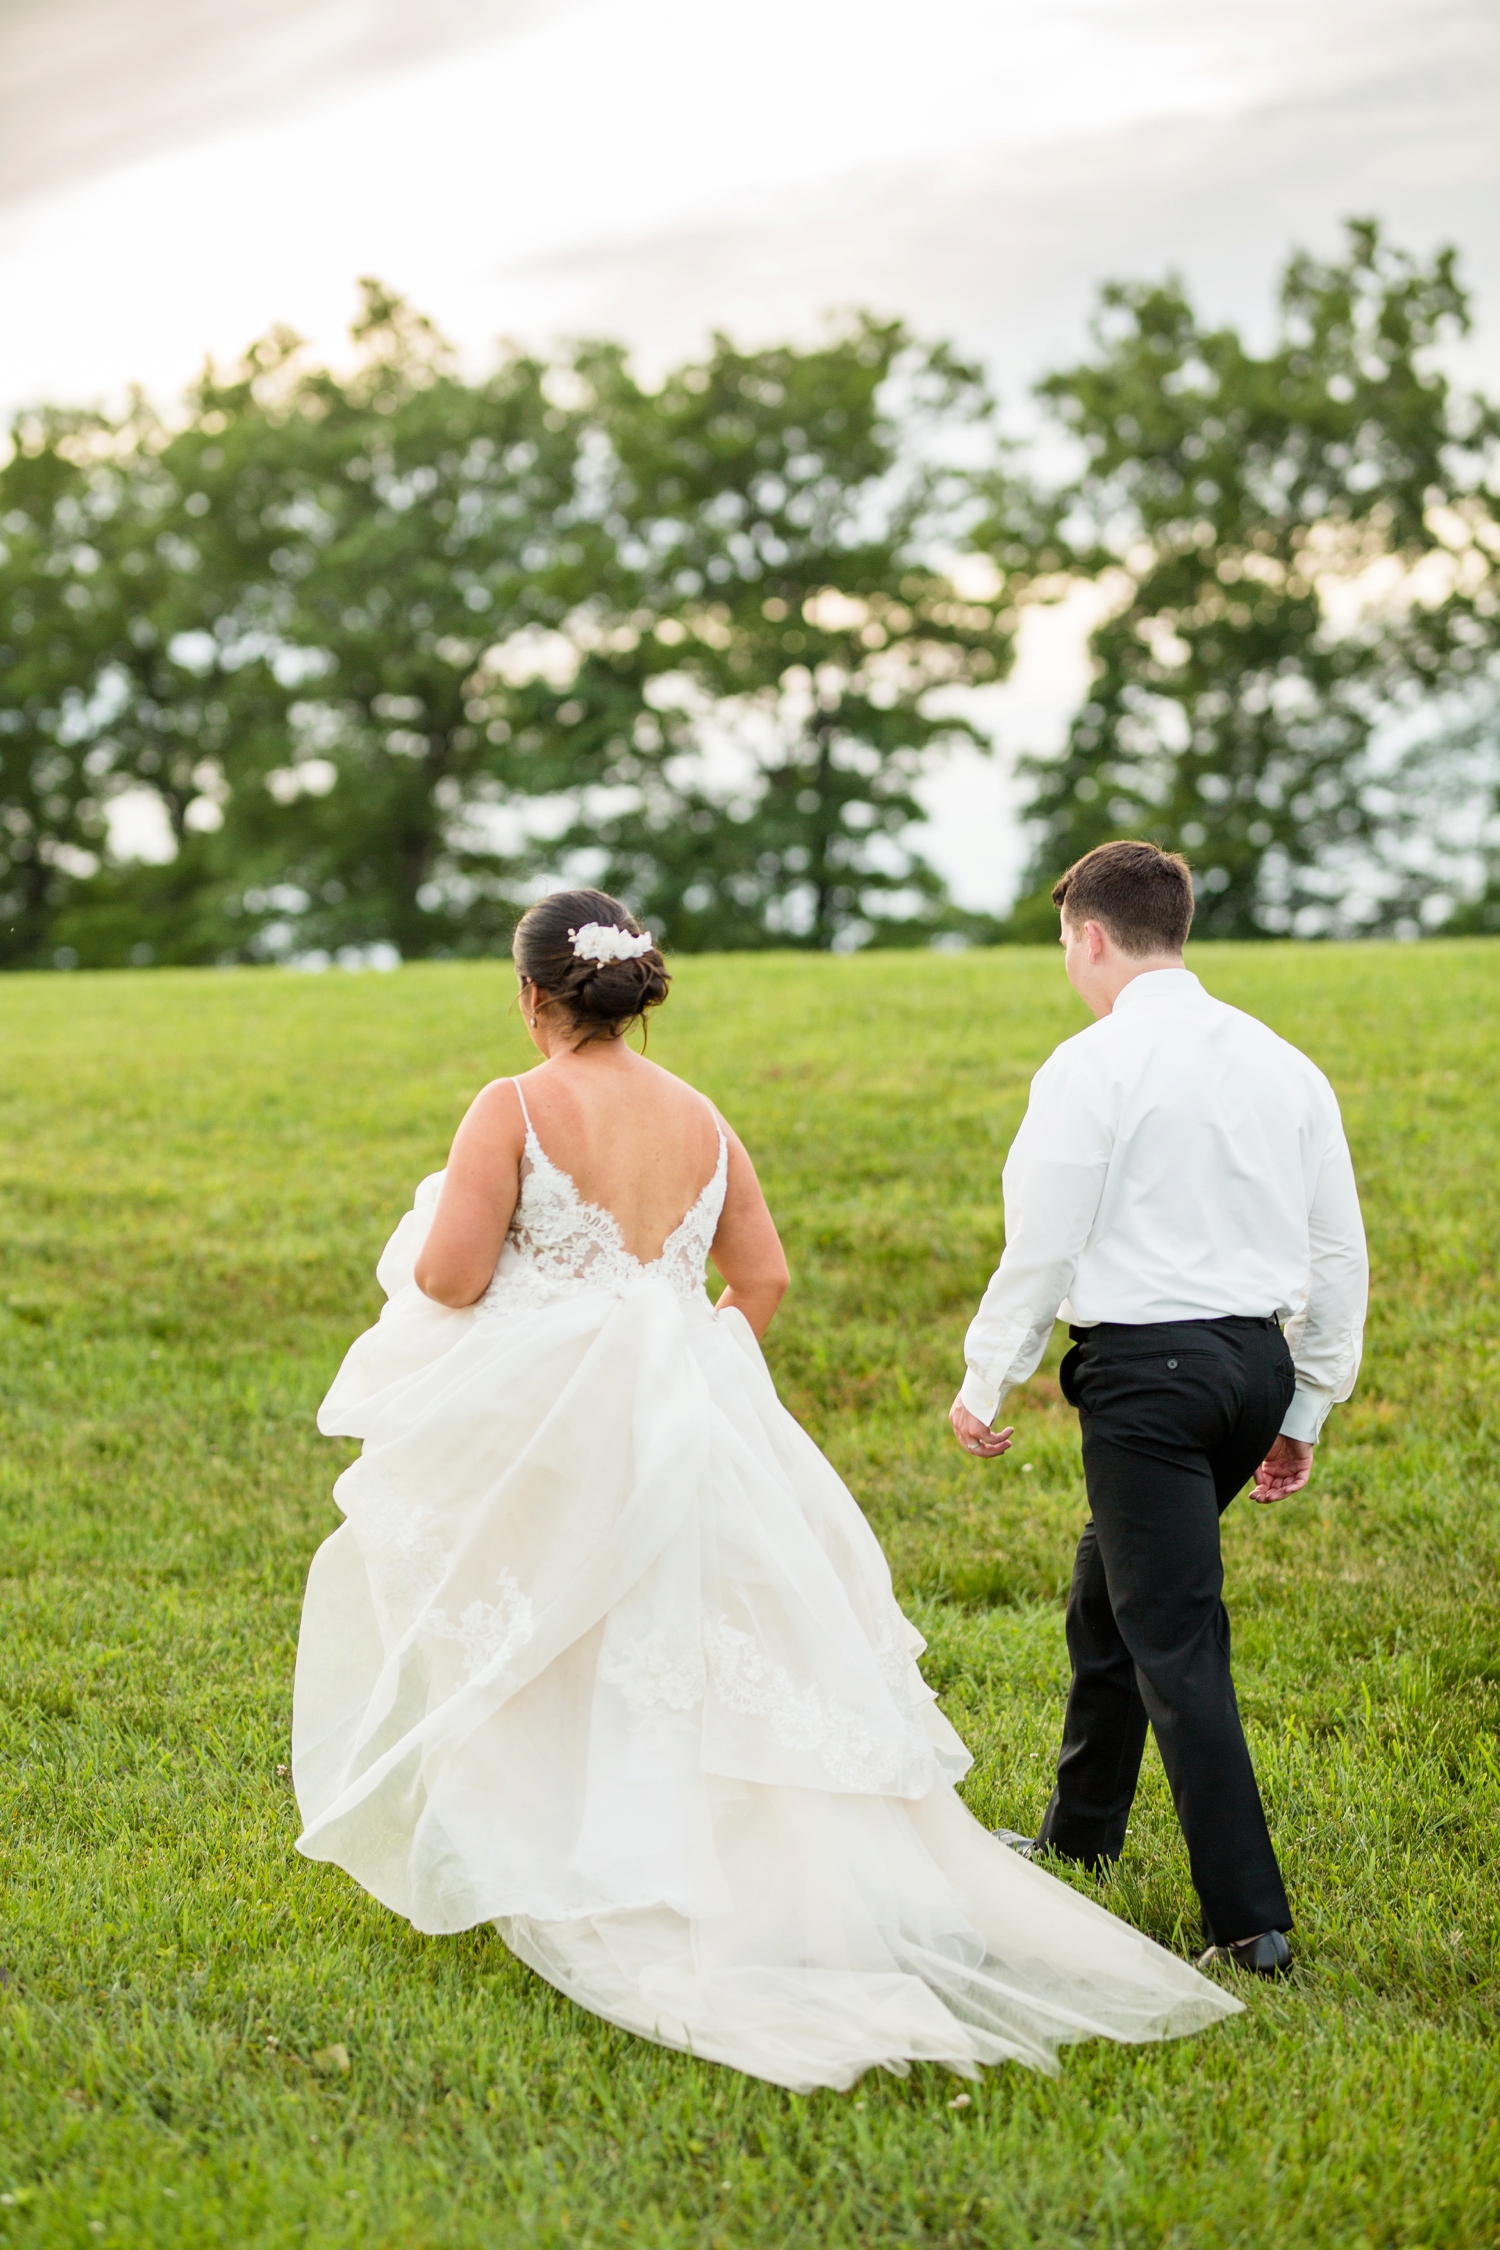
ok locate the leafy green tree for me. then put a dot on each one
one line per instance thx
(307, 572)
(397, 522)
(189, 702)
(1298, 549)
(385, 645)
(59, 622)
(137, 664)
(759, 680)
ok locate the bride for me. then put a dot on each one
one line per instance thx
(604, 1651)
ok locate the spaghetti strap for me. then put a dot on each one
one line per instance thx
(525, 1112)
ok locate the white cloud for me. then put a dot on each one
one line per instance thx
(610, 121)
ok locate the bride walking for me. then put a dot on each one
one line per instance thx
(604, 1651)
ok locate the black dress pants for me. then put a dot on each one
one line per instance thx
(1175, 1418)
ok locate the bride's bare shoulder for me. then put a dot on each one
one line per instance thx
(495, 1112)
(500, 1093)
(649, 1073)
(682, 1093)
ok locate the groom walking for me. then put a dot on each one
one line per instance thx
(1180, 1186)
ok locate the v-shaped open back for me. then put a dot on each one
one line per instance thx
(559, 1243)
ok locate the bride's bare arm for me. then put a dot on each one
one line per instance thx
(747, 1249)
(479, 1195)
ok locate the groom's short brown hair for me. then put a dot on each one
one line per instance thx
(1139, 894)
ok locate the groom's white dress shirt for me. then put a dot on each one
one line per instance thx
(1178, 1161)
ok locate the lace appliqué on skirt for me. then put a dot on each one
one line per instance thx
(405, 1552)
(489, 1634)
(750, 1683)
(396, 1535)
(659, 1669)
(674, 1671)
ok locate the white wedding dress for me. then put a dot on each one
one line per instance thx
(605, 1653)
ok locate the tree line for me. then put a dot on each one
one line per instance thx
(379, 648)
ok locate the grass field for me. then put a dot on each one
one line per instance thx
(196, 1174)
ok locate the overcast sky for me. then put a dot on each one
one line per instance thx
(175, 175)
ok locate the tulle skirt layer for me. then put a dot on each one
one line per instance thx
(605, 1653)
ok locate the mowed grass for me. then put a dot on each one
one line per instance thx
(198, 1171)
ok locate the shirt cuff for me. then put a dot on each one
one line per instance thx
(982, 1398)
(1305, 1417)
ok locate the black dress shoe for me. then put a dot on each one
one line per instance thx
(1268, 1955)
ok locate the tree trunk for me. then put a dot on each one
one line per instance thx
(823, 933)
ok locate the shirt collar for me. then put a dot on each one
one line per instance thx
(1157, 984)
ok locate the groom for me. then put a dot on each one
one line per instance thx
(1180, 1187)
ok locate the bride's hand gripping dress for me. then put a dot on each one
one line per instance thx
(605, 1653)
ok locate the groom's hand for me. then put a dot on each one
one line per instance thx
(1285, 1469)
(976, 1436)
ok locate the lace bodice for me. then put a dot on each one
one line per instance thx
(559, 1245)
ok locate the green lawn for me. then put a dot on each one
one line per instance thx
(197, 1172)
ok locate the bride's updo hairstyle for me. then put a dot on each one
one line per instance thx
(602, 998)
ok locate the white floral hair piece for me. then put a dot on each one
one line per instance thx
(600, 941)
